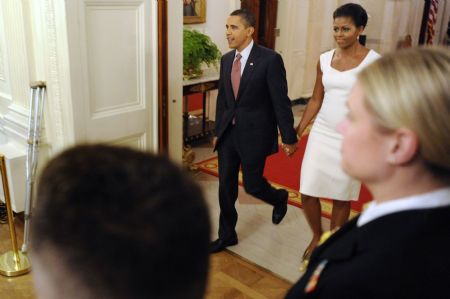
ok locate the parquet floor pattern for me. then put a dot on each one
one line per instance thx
(232, 277)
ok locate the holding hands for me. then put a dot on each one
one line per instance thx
(289, 149)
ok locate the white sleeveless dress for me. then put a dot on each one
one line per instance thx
(321, 172)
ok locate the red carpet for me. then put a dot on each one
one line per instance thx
(286, 172)
(283, 171)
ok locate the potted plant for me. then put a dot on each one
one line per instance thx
(198, 48)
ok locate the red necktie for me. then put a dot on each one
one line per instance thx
(236, 74)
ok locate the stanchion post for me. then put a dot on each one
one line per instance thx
(12, 263)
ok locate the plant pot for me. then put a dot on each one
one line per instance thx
(192, 73)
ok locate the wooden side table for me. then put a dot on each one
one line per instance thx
(197, 128)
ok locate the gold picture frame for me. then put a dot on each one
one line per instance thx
(194, 11)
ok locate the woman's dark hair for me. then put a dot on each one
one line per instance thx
(354, 11)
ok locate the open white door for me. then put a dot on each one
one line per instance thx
(113, 69)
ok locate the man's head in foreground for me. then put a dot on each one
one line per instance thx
(112, 222)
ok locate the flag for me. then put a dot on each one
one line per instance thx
(432, 15)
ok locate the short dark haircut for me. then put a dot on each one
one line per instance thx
(354, 11)
(246, 15)
(124, 223)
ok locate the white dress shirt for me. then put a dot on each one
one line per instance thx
(433, 199)
(244, 55)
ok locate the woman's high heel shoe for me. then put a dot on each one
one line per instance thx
(305, 255)
(305, 260)
(308, 251)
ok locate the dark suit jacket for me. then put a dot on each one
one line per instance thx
(262, 103)
(401, 255)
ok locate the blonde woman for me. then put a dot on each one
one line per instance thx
(396, 140)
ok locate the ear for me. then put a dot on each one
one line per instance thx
(360, 29)
(250, 30)
(404, 147)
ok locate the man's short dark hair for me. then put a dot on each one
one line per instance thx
(124, 223)
(246, 15)
(354, 11)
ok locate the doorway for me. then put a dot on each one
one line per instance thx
(265, 12)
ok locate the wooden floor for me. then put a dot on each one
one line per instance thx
(20, 287)
(230, 276)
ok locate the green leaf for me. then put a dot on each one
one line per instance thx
(198, 48)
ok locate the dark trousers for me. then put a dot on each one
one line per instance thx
(255, 184)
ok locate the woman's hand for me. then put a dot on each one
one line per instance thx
(289, 149)
(299, 133)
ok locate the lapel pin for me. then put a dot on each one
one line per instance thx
(251, 63)
(314, 279)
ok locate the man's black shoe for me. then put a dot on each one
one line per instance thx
(219, 245)
(279, 210)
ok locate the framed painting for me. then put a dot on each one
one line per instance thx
(194, 11)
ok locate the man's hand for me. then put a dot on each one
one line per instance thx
(289, 149)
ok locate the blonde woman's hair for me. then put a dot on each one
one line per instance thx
(411, 89)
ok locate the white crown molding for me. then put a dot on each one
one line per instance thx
(5, 99)
(2, 66)
(15, 124)
(58, 111)
(53, 82)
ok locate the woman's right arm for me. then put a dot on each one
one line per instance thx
(314, 103)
